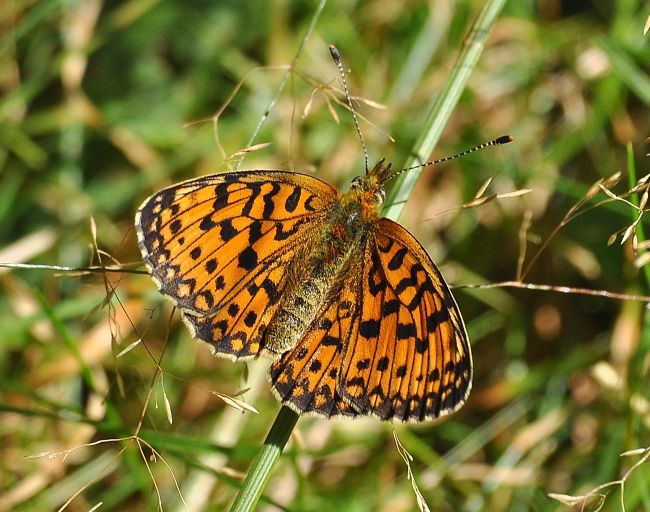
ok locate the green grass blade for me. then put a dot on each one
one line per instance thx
(443, 106)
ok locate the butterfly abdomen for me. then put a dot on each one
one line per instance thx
(301, 306)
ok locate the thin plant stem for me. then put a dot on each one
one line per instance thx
(260, 472)
(285, 79)
(634, 198)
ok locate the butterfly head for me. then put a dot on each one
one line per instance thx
(370, 187)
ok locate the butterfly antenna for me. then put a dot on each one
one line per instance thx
(504, 139)
(336, 57)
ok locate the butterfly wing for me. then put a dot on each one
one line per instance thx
(410, 357)
(220, 247)
(392, 345)
(306, 377)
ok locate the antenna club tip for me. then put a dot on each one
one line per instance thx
(334, 52)
(504, 139)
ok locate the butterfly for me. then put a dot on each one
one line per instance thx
(357, 318)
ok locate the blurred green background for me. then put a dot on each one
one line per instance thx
(104, 103)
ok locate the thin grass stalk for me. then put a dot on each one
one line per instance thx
(260, 472)
(634, 198)
(285, 78)
(637, 382)
(400, 189)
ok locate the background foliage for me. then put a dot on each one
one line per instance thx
(105, 102)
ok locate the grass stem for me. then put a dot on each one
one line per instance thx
(260, 472)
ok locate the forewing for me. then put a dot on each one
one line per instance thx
(409, 358)
(220, 247)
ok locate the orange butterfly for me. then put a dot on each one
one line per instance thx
(356, 316)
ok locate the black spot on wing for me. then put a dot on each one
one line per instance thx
(383, 363)
(207, 223)
(226, 230)
(282, 234)
(376, 281)
(434, 375)
(435, 319)
(256, 189)
(404, 283)
(369, 328)
(175, 226)
(221, 192)
(355, 381)
(269, 205)
(325, 323)
(425, 287)
(271, 290)
(363, 364)
(329, 341)
(398, 259)
(250, 319)
(389, 307)
(309, 206)
(248, 259)
(208, 297)
(293, 200)
(421, 346)
(406, 331)
(255, 232)
(387, 247)
(211, 265)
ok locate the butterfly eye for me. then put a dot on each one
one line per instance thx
(356, 182)
(379, 196)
